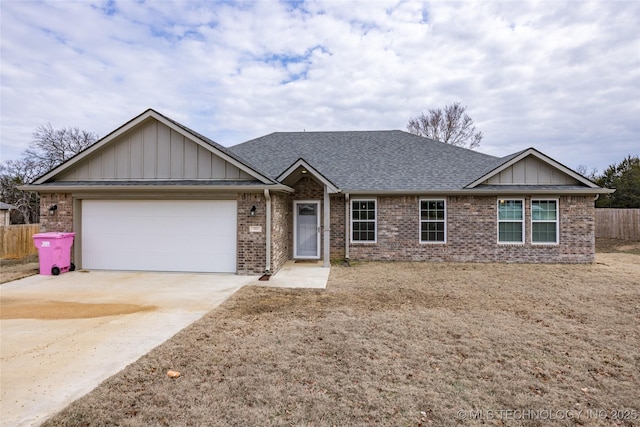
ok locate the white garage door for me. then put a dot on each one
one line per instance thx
(159, 235)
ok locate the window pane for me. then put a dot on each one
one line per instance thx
(543, 210)
(432, 231)
(363, 215)
(432, 210)
(432, 216)
(510, 232)
(543, 232)
(510, 210)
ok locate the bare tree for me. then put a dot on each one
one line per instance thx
(14, 173)
(48, 149)
(584, 171)
(451, 126)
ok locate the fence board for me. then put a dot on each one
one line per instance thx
(618, 224)
(17, 241)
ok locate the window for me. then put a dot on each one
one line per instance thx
(433, 225)
(363, 220)
(510, 221)
(544, 221)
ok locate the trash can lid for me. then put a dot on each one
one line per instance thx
(53, 235)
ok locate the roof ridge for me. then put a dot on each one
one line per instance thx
(364, 160)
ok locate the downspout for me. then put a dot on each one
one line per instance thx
(267, 196)
(347, 231)
(327, 229)
(596, 197)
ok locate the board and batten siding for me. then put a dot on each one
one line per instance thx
(531, 171)
(154, 151)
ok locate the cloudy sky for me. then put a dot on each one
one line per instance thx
(563, 77)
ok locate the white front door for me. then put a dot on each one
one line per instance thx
(306, 229)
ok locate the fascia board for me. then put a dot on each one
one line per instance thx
(475, 192)
(127, 188)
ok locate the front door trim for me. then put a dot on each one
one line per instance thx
(296, 236)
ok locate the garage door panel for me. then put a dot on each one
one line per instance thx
(159, 235)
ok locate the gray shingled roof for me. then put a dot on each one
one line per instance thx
(370, 160)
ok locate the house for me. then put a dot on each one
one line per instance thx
(5, 213)
(155, 195)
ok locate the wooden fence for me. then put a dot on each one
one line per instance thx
(618, 224)
(16, 240)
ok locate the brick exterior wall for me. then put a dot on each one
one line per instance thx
(281, 223)
(337, 227)
(251, 255)
(471, 229)
(62, 220)
(472, 233)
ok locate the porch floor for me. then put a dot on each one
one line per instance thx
(294, 274)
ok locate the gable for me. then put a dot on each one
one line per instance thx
(152, 151)
(530, 168)
(302, 169)
(531, 171)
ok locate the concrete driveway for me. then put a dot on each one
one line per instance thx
(63, 335)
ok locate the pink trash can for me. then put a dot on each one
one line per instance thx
(54, 252)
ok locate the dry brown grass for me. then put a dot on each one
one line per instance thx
(14, 269)
(401, 344)
(617, 246)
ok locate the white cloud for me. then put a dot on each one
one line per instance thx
(561, 76)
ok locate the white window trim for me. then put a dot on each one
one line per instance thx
(557, 221)
(375, 221)
(498, 221)
(420, 221)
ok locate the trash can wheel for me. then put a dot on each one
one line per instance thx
(72, 267)
(55, 271)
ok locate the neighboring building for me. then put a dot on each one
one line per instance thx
(5, 213)
(155, 195)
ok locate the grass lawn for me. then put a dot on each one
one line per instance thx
(399, 344)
